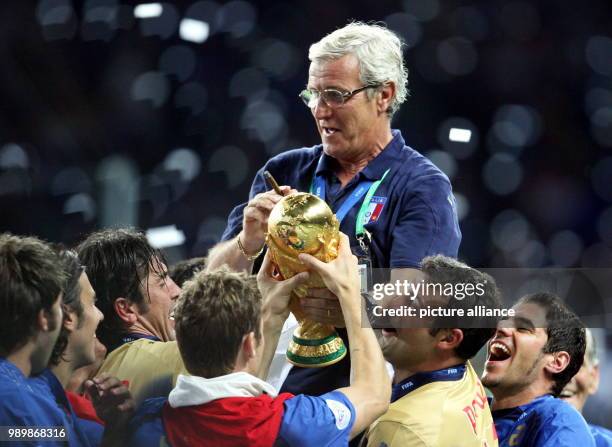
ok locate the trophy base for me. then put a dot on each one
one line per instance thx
(316, 353)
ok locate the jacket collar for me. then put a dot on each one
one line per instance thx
(375, 168)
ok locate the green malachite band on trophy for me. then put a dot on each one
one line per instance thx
(314, 342)
(317, 352)
(317, 361)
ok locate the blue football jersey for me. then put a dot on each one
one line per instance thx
(603, 436)
(544, 422)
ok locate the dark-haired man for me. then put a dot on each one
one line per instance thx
(531, 358)
(437, 398)
(136, 296)
(227, 337)
(30, 320)
(74, 348)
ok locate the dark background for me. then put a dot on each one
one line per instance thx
(109, 119)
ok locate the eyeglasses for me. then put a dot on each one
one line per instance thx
(330, 96)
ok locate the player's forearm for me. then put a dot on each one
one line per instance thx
(272, 328)
(370, 389)
(367, 362)
(228, 253)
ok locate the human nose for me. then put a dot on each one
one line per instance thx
(175, 290)
(503, 329)
(100, 314)
(321, 109)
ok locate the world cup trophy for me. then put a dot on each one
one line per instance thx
(303, 223)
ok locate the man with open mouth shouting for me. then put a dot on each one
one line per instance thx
(531, 358)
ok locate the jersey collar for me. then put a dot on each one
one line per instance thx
(377, 167)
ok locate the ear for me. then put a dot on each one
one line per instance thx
(47, 321)
(249, 345)
(558, 362)
(127, 310)
(449, 339)
(385, 95)
(70, 319)
(44, 320)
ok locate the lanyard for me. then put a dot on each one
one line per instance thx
(317, 187)
(133, 336)
(418, 380)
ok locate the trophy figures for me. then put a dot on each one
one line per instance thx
(303, 223)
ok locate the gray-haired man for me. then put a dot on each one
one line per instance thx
(393, 203)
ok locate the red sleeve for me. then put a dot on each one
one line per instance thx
(83, 407)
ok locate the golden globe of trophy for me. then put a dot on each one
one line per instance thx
(303, 223)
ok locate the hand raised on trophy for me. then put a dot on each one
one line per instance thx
(276, 293)
(322, 306)
(341, 275)
(255, 218)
